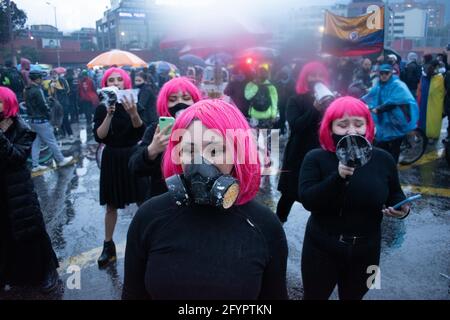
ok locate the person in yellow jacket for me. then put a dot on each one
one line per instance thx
(263, 109)
(263, 98)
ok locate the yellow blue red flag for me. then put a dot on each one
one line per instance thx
(353, 36)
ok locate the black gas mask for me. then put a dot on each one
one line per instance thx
(203, 184)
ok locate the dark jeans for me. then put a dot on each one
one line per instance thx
(327, 262)
(87, 108)
(284, 207)
(66, 128)
(393, 147)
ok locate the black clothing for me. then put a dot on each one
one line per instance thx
(391, 146)
(147, 101)
(411, 76)
(141, 166)
(303, 119)
(340, 210)
(200, 252)
(36, 103)
(236, 91)
(118, 187)
(326, 261)
(285, 91)
(323, 192)
(363, 76)
(26, 253)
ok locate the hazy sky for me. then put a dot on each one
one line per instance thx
(74, 14)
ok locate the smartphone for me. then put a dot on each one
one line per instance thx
(166, 122)
(407, 200)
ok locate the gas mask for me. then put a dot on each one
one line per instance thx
(203, 184)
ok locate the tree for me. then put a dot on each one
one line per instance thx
(29, 53)
(18, 17)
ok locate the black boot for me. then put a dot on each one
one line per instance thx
(50, 281)
(108, 254)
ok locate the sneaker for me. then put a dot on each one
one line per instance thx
(39, 168)
(65, 162)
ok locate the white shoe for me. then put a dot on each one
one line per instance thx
(39, 168)
(65, 162)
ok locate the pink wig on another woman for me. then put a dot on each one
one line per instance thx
(339, 108)
(10, 104)
(222, 117)
(175, 85)
(301, 86)
(126, 78)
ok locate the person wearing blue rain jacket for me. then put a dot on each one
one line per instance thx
(394, 110)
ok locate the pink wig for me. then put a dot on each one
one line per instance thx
(175, 85)
(10, 104)
(222, 116)
(301, 86)
(126, 78)
(339, 108)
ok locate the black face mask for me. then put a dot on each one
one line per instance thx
(203, 184)
(176, 108)
(140, 86)
(337, 138)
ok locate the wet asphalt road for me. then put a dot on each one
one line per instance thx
(415, 257)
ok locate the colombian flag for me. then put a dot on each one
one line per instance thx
(353, 36)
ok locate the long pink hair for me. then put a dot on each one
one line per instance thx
(301, 86)
(10, 104)
(175, 85)
(222, 116)
(126, 78)
(339, 108)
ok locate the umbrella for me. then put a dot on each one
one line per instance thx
(163, 66)
(221, 58)
(259, 52)
(60, 70)
(193, 60)
(117, 57)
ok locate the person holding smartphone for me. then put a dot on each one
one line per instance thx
(220, 243)
(343, 234)
(120, 126)
(174, 97)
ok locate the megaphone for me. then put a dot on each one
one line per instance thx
(323, 95)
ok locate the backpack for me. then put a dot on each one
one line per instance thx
(15, 81)
(262, 101)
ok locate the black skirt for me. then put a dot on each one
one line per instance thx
(118, 186)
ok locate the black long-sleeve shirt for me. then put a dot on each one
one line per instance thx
(200, 252)
(352, 208)
(121, 132)
(142, 166)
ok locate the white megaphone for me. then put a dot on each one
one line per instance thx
(323, 95)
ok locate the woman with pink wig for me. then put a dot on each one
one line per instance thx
(343, 234)
(174, 97)
(207, 238)
(303, 116)
(120, 126)
(26, 254)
